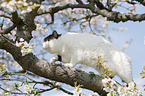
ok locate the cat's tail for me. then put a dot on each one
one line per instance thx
(124, 67)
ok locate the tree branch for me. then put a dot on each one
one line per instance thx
(100, 5)
(117, 16)
(27, 25)
(15, 18)
(5, 16)
(12, 92)
(55, 72)
(141, 2)
(79, 1)
(111, 15)
(8, 30)
(75, 19)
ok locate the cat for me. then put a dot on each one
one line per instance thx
(82, 48)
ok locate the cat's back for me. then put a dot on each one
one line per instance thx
(82, 38)
(87, 42)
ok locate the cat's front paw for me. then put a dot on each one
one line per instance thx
(69, 65)
(53, 59)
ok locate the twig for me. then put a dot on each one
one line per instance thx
(12, 92)
(5, 16)
(79, 1)
(12, 80)
(74, 19)
(22, 75)
(53, 85)
(52, 19)
(60, 88)
(44, 90)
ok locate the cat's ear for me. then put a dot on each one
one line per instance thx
(55, 34)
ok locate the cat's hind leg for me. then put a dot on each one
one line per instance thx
(72, 63)
(55, 58)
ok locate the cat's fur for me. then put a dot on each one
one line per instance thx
(83, 48)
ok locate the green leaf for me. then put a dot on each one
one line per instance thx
(144, 68)
(1, 67)
(142, 74)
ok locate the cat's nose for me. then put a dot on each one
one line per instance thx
(44, 45)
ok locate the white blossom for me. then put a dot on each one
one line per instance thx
(76, 91)
(94, 94)
(3, 67)
(25, 47)
(109, 84)
(21, 5)
(117, 90)
(10, 6)
(27, 88)
(21, 39)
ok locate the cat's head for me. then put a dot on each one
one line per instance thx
(49, 42)
(52, 36)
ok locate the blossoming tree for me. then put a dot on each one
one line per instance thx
(22, 65)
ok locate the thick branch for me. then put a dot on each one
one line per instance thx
(55, 72)
(112, 15)
(27, 25)
(8, 30)
(117, 16)
(15, 18)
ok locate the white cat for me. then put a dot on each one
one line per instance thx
(82, 48)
